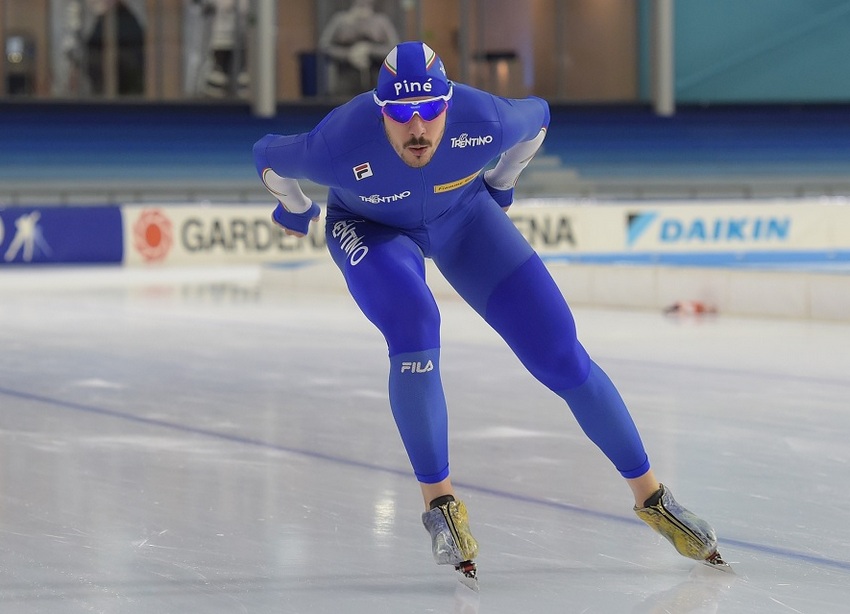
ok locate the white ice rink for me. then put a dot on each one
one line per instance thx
(210, 442)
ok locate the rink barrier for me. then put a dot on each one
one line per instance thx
(777, 257)
(759, 293)
(50, 235)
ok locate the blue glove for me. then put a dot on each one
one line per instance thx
(297, 222)
(503, 198)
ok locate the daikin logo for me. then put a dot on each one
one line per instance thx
(638, 225)
(416, 367)
(677, 230)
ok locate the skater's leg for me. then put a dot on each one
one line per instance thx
(528, 311)
(596, 403)
(597, 406)
(521, 301)
(605, 419)
(643, 487)
(431, 492)
(387, 282)
(386, 278)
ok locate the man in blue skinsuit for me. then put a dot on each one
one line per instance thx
(404, 166)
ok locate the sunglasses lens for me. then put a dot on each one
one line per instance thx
(428, 110)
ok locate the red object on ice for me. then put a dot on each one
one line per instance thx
(690, 308)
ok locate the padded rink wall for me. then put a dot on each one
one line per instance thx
(779, 257)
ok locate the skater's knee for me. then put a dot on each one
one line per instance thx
(563, 368)
(408, 327)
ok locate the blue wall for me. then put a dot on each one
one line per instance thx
(753, 51)
(55, 143)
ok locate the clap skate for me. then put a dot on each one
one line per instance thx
(452, 544)
(690, 535)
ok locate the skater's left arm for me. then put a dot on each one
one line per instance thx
(526, 120)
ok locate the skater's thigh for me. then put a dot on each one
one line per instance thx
(385, 273)
(483, 253)
(496, 271)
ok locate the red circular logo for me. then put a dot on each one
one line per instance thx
(152, 235)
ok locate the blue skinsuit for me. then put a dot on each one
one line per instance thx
(384, 218)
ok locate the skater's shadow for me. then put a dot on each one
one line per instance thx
(699, 593)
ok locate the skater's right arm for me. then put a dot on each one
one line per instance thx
(280, 161)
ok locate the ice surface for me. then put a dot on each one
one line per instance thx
(204, 441)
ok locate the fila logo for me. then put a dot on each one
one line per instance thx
(417, 367)
(361, 171)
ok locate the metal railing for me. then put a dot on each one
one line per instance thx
(534, 184)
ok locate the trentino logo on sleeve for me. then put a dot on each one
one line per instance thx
(361, 171)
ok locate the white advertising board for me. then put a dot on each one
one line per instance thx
(212, 234)
(735, 226)
(688, 227)
(240, 234)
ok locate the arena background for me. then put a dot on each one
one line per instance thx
(754, 129)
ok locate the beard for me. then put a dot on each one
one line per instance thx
(408, 157)
(420, 142)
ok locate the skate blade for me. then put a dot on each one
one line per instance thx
(715, 561)
(468, 574)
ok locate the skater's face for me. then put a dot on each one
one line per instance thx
(415, 127)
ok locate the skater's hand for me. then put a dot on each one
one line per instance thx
(295, 224)
(503, 198)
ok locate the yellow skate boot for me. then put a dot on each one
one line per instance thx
(451, 542)
(690, 535)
